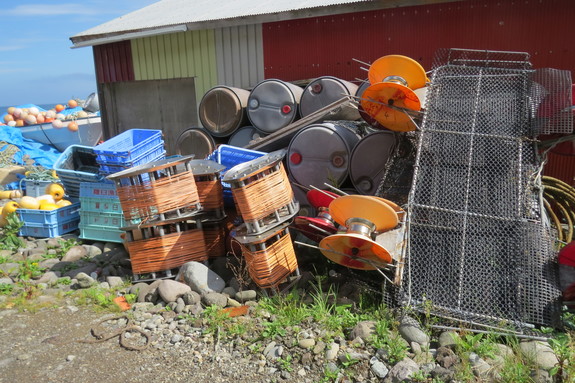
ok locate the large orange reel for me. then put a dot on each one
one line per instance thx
(362, 215)
(393, 80)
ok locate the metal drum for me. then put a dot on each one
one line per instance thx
(324, 91)
(222, 110)
(368, 160)
(300, 194)
(196, 141)
(273, 104)
(319, 153)
(242, 137)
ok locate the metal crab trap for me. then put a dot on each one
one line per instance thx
(479, 251)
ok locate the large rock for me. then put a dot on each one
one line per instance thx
(403, 371)
(446, 358)
(411, 331)
(149, 293)
(92, 251)
(448, 339)
(200, 278)
(75, 253)
(215, 299)
(481, 368)
(363, 330)
(50, 277)
(84, 280)
(10, 269)
(170, 290)
(246, 295)
(540, 353)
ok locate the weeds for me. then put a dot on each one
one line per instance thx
(96, 296)
(29, 270)
(387, 338)
(9, 239)
(6, 288)
(481, 344)
(285, 364)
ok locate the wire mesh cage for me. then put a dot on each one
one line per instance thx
(478, 249)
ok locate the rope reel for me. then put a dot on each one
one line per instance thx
(158, 190)
(215, 236)
(209, 185)
(262, 192)
(270, 256)
(363, 216)
(391, 95)
(165, 246)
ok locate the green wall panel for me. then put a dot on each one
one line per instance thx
(177, 55)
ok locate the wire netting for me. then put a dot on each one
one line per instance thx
(478, 249)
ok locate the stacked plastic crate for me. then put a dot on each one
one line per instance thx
(131, 148)
(83, 171)
(49, 223)
(101, 215)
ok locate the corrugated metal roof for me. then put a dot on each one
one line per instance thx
(173, 13)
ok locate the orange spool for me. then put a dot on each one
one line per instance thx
(215, 237)
(363, 216)
(393, 79)
(397, 68)
(209, 185)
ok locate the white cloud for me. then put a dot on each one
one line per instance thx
(52, 10)
(7, 48)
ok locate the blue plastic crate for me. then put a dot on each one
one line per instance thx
(155, 154)
(114, 220)
(108, 205)
(98, 190)
(127, 146)
(49, 231)
(75, 165)
(49, 217)
(230, 156)
(100, 233)
(36, 188)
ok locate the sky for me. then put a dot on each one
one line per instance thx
(37, 64)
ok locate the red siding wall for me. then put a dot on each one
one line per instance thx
(320, 46)
(114, 62)
(308, 48)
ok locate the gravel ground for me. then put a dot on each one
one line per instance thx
(43, 347)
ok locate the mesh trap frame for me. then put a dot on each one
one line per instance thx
(478, 251)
